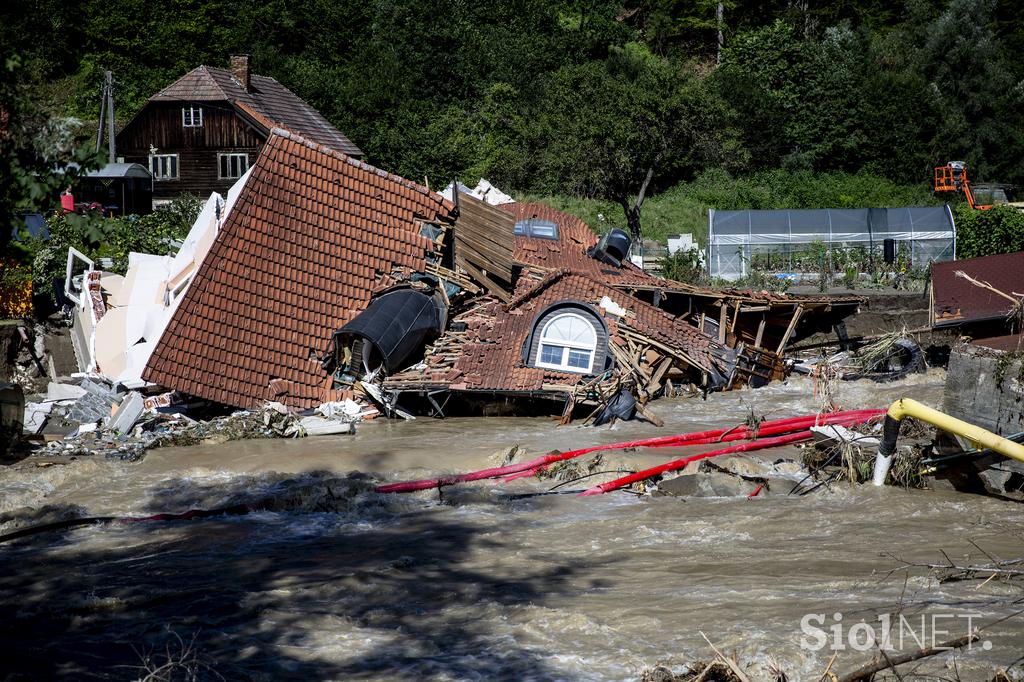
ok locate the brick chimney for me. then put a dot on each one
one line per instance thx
(240, 70)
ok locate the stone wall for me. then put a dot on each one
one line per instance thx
(974, 394)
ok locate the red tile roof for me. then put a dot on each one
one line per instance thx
(957, 301)
(297, 257)
(569, 251)
(267, 97)
(490, 348)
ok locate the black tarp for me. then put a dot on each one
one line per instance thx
(397, 325)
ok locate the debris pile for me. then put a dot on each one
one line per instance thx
(90, 415)
(848, 454)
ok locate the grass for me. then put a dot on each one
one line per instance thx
(664, 215)
(684, 207)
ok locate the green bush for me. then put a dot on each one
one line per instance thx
(985, 233)
(114, 238)
(154, 233)
(685, 265)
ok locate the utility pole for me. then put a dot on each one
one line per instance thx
(107, 111)
(109, 83)
(103, 109)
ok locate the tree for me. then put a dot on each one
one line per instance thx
(608, 129)
(977, 96)
(36, 146)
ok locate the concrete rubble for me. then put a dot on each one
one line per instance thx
(733, 476)
(97, 417)
(109, 422)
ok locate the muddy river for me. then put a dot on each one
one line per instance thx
(485, 583)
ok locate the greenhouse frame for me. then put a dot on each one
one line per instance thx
(921, 234)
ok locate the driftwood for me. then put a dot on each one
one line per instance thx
(986, 285)
(1015, 316)
(954, 571)
(885, 662)
(648, 415)
(728, 661)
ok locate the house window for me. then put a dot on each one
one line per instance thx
(567, 342)
(533, 227)
(232, 166)
(164, 166)
(192, 117)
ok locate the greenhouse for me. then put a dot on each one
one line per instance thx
(802, 241)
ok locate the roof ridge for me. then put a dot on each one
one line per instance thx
(281, 131)
(549, 279)
(202, 68)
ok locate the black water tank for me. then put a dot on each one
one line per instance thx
(617, 244)
(889, 251)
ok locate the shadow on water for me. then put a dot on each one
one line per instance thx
(379, 589)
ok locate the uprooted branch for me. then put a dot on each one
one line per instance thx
(952, 572)
(885, 661)
(1015, 316)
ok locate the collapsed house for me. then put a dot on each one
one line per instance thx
(580, 324)
(322, 278)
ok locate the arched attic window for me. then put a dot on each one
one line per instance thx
(568, 342)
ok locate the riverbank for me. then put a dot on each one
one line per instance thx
(353, 585)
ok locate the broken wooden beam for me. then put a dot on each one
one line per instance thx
(790, 329)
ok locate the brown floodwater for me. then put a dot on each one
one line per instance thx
(484, 583)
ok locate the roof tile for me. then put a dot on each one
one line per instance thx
(267, 102)
(236, 332)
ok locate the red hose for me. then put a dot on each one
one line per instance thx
(773, 428)
(702, 437)
(677, 464)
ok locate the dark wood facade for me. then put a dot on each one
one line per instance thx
(159, 127)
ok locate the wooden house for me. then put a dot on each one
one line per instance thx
(202, 132)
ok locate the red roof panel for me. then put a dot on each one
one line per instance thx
(274, 286)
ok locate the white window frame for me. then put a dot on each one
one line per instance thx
(228, 156)
(162, 173)
(191, 117)
(566, 346)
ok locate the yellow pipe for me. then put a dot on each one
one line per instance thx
(907, 407)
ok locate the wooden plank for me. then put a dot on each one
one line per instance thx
(735, 366)
(674, 352)
(570, 403)
(452, 276)
(789, 330)
(648, 415)
(659, 373)
(723, 320)
(760, 330)
(487, 282)
(484, 236)
(624, 360)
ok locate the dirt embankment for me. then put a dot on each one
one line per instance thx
(889, 310)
